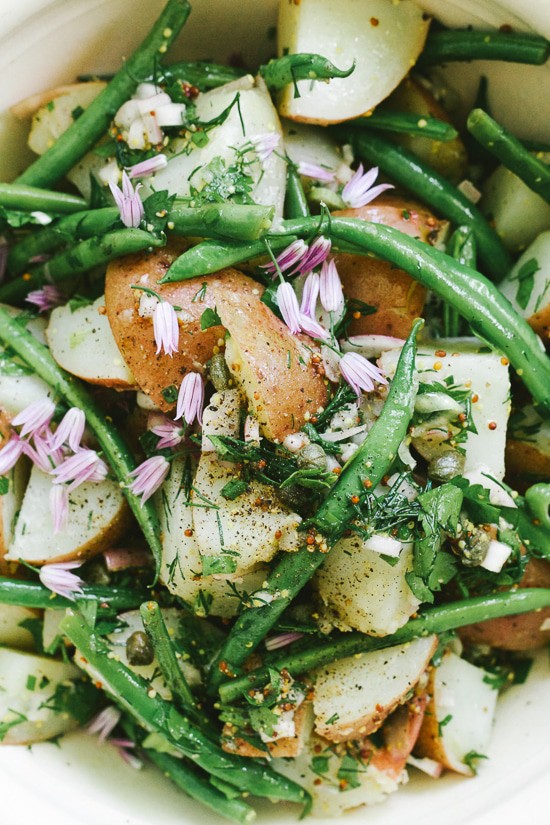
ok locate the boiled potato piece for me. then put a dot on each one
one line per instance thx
(459, 716)
(487, 375)
(98, 515)
(10, 502)
(286, 747)
(398, 298)
(527, 286)
(82, 343)
(383, 38)
(527, 448)
(308, 144)
(528, 631)
(13, 632)
(28, 683)
(255, 115)
(360, 590)
(365, 689)
(19, 385)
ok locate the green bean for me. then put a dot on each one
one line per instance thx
(537, 499)
(296, 205)
(202, 74)
(408, 123)
(294, 570)
(94, 121)
(73, 391)
(510, 151)
(407, 170)
(488, 312)
(131, 692)
(461, 247)
(515, 47)
(32, 594)
(282, 71)
(32, 199)
(533, 535)
(79, 258)
(438, 620)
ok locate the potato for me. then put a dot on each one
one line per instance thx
(398, 299)
(82, 343)
(383, 38)
(64, 99)
(524, 632)
(448, 157)
(527, 286)
(98, 516)
(10, 502)
(365, 689)
(13, 632)
(527, 448)
(459, 716)
(284, 748)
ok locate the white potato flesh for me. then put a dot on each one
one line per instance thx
(27, 682)
(10, 502)
(360, 590)
(307, 144)
(12, 632)
(487, 375)
(527, 285)
(365, 689)
(19, 386)
(518, 213)
(465, 704)
(181, 563)
(383, 38)
(82, 343)
(97, 512)
(259, 116)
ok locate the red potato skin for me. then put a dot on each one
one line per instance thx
(516, 633)
(398, 299)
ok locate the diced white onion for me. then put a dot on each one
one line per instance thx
(127, 113)
(498, 554)
(171, 114)
(385, 545)
(295, 442)
(151, 104)
(343, 435)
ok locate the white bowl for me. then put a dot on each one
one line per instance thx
(46, 42)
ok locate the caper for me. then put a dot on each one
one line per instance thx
(293, 496)
(312, 455)
(139, 650)
(447, 465)
(476, 547)
(219, 372)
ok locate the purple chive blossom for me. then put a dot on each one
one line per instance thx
(289, 307)
(59, 507)
(84, 465)
(312, 327)
(264, 145)
(312, 170)
(359, 190)
(148, 477)
(128, 201)
(169, 433)
(190, 398)
(309, 295)
(42, 454)
(59, 579)
(124, 747)
(360, 373)
(148, 167)
(166, 329)
(104, 723)
(34, 419)
(330, 288)
(46, 298)
(316, 254)
(10, 453)
(288, 258)
(70, 430)
(282, 640)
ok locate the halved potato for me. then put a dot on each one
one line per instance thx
(13, 632)
(383, 38)
(527, 286)
(527, 448)
(10, 503)
(398, 298)
(82, 343)
(59, 104)
(366, 688)
(98, 515)
(459, 716)
(287, 747)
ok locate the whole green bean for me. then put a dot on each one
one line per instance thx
(73, 391)
(94, 121)
(296, 205)
(32, 199)
(515, 47)
(32, 594)
(282, 71)
(438, 620)
(132, 693)
(461, 247)
(77, 259)
(510, 151)
(294, 570)
(407, 170)
(202, 74)
(408, 123)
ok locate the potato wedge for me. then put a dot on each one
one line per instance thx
(398, 299)
(82, 343)
(527, 448)
(527, 286)
(365, 689)
(383, 38)
(459, 717)
(55, 119)
(10, 503)
(13, 629)
(98, 515)
(287, 747)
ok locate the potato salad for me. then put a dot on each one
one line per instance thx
(274, 410)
